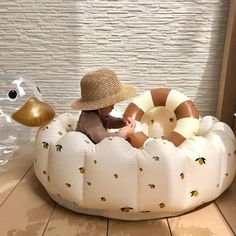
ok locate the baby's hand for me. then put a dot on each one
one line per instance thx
(131, 121)
(127, 130)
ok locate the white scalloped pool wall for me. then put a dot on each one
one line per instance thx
(115, 180)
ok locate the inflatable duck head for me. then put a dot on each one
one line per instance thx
(20, 102)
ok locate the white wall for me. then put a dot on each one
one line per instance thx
(149, 43)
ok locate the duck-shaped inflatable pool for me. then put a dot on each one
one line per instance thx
(175, 162)
(17, 92)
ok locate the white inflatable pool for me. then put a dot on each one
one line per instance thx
(114, 179)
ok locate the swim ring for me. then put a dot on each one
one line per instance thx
(114, 179)
(184, 113)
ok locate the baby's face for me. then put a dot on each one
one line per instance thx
(106, 110)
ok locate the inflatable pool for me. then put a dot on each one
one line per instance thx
(182, 162)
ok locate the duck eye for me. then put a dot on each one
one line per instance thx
(12, 94)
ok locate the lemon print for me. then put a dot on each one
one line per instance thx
(156, 158)
(116, 176)
(45, 128)
(194, 193)
(162, 205)
(182, 175)
(103, 199)
(126, 209)
(45, 145)
(82, 170)
(201, 160)
(152, 185)
(58, 148)
(68, 185)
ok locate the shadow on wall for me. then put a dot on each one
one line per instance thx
(213, 65)
(207, 59)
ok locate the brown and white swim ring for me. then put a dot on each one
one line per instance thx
(186, 113)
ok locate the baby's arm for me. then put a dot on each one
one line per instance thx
(115, 123)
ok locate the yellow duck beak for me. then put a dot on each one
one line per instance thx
(34, 113)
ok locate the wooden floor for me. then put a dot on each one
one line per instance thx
(27, 210)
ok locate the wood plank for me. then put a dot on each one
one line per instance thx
(235, 123)
(27, 210)
(235, 126)
(138, 228)
(66, 222)
(204, 221)
(227, 205)
(12, 172)
(226, 100)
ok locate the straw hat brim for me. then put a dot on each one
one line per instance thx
(127, 91)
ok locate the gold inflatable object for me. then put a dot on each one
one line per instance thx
(34, 113)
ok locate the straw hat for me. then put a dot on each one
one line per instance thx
(102, 88)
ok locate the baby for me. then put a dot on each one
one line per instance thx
(100, 90)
